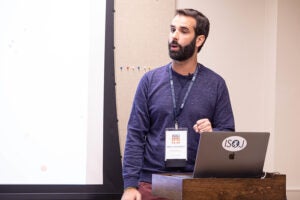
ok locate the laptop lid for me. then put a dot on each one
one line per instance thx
(231, 154)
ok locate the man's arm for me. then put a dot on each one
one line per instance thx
(138, 127)
(223, 119)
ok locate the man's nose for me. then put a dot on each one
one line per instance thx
(174, 35)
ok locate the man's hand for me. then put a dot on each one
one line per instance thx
(203, 125)
(131, 194)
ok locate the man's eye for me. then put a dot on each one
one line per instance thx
(185, 30)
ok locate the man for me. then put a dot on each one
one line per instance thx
(174, 103)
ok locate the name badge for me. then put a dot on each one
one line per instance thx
(176, 143)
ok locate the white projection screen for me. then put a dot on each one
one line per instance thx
(57, 108)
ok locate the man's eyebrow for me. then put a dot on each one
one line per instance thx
(181, 27)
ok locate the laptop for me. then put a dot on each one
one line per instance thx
(231, 155)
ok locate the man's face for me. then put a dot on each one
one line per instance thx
(182, 40)
(183, 52)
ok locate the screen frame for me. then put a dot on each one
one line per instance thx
(112, 187)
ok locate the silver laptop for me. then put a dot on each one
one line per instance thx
(231, 154)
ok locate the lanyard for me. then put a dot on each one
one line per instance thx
(176, 114)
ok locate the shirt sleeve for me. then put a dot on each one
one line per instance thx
(138, 126)
(223, 119)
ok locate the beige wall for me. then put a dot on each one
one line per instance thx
(288, 93)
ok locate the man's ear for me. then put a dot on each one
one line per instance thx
(200, 40)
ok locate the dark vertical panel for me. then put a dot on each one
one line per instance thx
(112, 167)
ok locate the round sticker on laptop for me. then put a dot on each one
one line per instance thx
(234, 143)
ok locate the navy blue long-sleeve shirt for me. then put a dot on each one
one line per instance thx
(152, 113)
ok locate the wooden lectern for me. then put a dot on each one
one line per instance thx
(181, 187)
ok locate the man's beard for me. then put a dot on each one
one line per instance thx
(183, 53)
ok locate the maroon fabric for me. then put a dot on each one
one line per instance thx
(146, 190)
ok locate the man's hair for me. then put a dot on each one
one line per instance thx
(202, 22)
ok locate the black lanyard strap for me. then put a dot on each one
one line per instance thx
(176, 114)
